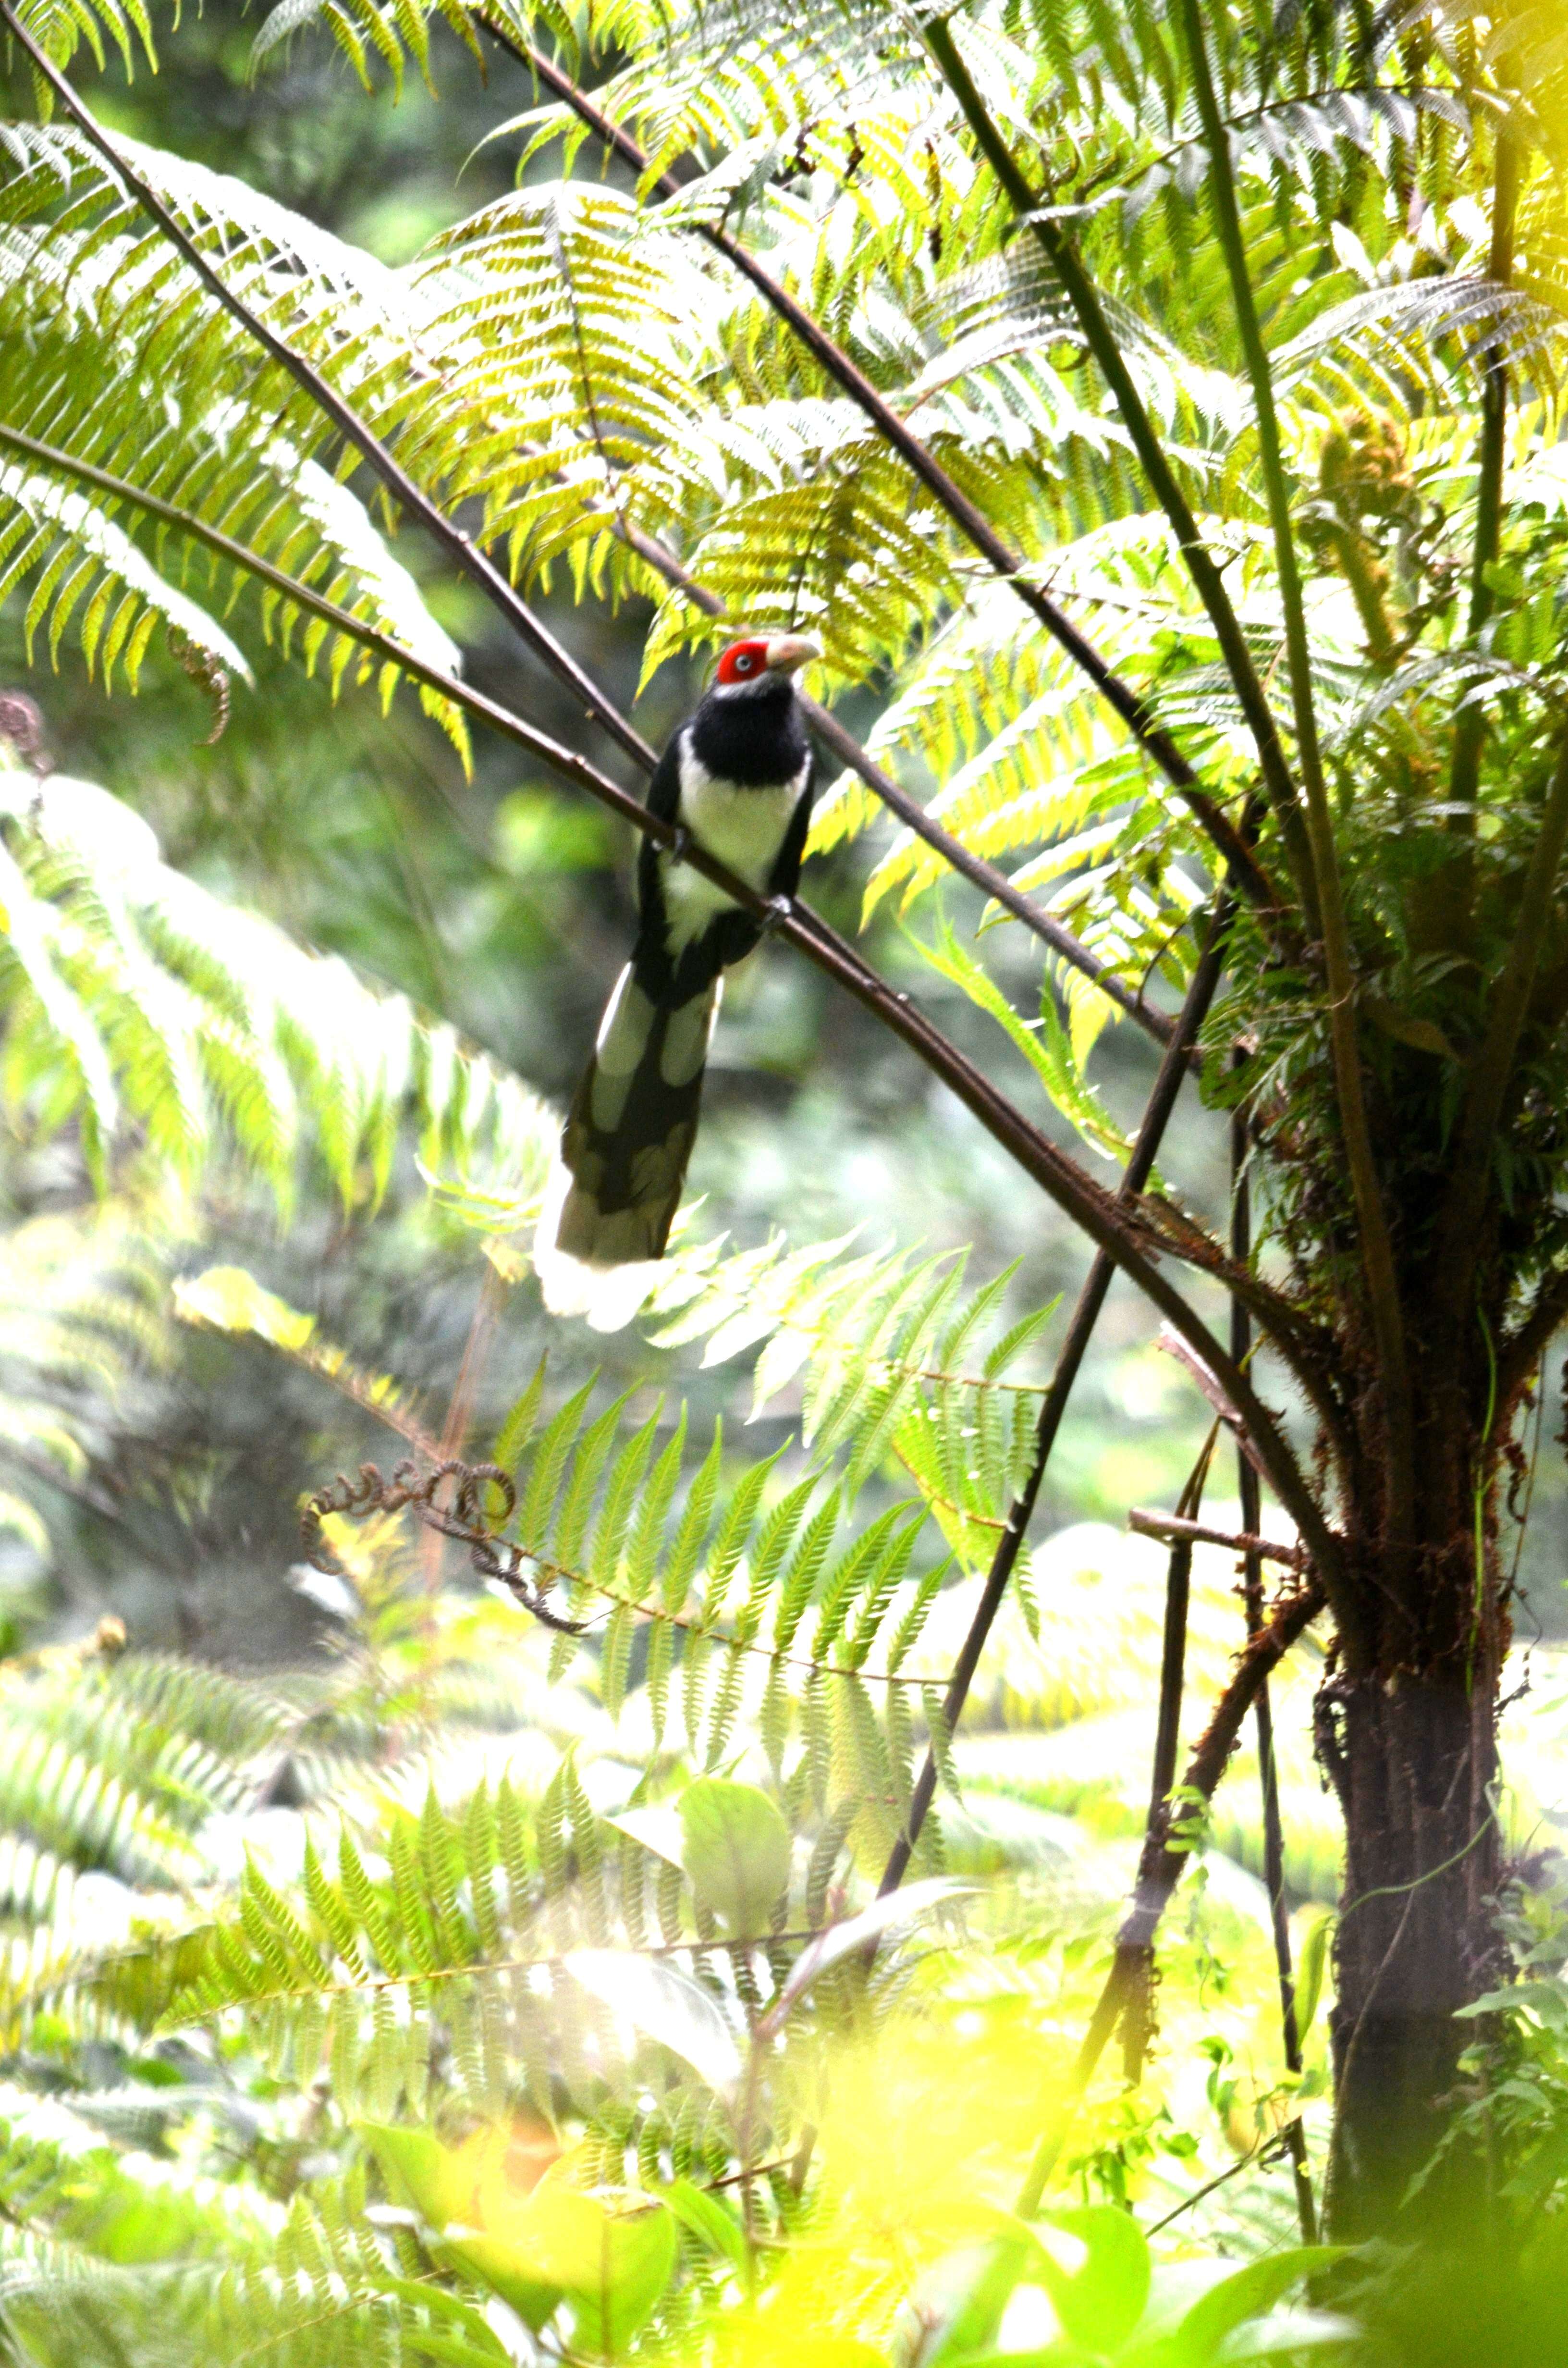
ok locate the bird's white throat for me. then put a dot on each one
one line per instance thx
(744, 828)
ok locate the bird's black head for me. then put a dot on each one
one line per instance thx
(748, 729)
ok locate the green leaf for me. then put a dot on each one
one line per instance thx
(710, 2223)
(839, 1940)
(613, 2258)
(1310, 1973)
(968, 2292)
(475, 2342)
(228, 1299)
(1101, 2302)
(658, 1829)
(1290, 2335)
(20, 1520)
(518, 1428)
(670, 2006)
(1252, 2292)
(457, 2191)
(1422, 1035)
(735, 1851)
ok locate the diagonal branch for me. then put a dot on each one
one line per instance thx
(988, 876)
(1308, 1347)
(970, 520)
(1097, 1212)
(1168, 1527)
(460, 548)
(1086, 1316)
(1138, 2015)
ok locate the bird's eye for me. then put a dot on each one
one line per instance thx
(745, 665)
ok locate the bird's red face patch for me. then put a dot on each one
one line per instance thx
(744, 662)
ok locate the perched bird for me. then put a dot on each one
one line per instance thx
(736, 780)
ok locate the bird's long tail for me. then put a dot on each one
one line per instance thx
(616, 1183)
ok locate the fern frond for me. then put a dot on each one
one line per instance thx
(102, 318)
(60, 26)
(204, 1022)
(893, 1359)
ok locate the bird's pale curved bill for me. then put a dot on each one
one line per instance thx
(786, 652)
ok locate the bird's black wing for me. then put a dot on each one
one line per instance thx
(651, 962)
(663, 801)
(785, 876)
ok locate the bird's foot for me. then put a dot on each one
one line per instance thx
(679, 848)
(775, 913)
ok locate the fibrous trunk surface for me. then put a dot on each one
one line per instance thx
(1413, 1755)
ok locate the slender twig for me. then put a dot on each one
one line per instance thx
(1377, 1246)
(1490, 1073)
(1097, 1211)
(1265, 2151)
(1159, 1880)
(970, 521)
(1267, 1767)
(1260, 1303)
(1233, 243)
(1173, 1647)
(1169, 1526)
(988, 876)
(914, 816)
(1138, 2008)
(460, 548)
(1103, 344)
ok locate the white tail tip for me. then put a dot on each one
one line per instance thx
(606, 1297)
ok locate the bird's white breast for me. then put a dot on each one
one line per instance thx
(743, 827)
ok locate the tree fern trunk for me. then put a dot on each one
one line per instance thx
(1413, 1755)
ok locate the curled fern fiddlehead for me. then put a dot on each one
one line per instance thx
(409, 1490)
